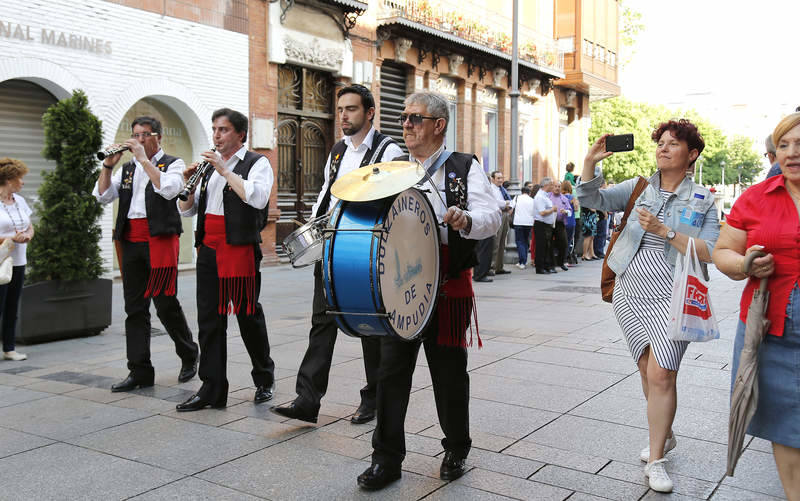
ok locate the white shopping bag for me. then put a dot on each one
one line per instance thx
(691, 315)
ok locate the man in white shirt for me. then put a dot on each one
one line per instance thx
(471, 214)
(231, 211)
(506, 205)
(544, 218)
(146, 232)
(362, 145)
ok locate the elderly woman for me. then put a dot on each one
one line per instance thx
(15, 224)
(766, 217)
(671, 210)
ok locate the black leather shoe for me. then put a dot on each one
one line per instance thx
(129, 383)
(188, 371)
(378, 476)
(552, 270)
(484, 279)
(264, 393)
(502, 272)
(542, 272)
(364, 414)
(564, 267)
(196, 402)
(453, 466)
(294, 411)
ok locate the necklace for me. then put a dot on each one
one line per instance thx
(21, 226)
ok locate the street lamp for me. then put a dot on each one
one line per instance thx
(738, 181)
(722, 164)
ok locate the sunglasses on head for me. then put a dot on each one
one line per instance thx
(414, 118)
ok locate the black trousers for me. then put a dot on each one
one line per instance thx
(135, 270)
(312, 378)
(9, 306)
(213, 332)
(543, 233)
(483, 250)
(560, 243)
(448, 368)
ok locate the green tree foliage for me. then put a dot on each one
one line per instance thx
(621, 116)
(632, 26)
(66, 243)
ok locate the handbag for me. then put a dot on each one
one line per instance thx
(6, 261)
(691, 317)
(607, 276)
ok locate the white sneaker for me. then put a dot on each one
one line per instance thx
(669, 444)
(520, 266)
(659, 480)
(13, 355)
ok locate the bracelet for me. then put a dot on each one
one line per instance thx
(107, 166)
(468, 228)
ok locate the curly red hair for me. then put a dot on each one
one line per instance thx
(683, 130)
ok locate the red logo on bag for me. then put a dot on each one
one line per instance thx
(696, 301)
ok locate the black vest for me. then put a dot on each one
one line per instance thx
(163, 217)
(243, 223)
(379, 144)
(462, 250)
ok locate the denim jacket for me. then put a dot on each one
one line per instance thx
(690, 210)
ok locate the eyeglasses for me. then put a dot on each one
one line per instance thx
(414, 118)
(143, 135)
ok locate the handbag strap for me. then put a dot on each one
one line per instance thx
(640, 187)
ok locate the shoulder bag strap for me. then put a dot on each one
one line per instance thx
(640, 187)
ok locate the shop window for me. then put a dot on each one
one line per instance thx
(489, 138)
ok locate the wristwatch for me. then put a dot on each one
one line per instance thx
(670, 235)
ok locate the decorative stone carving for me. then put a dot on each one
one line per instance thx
(454, 61)
(312, 53)
(499, 75)
(533, 85)
(401, 46)
(571, 95)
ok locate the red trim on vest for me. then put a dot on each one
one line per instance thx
(163, 257)
(236, 269)
(456, 306)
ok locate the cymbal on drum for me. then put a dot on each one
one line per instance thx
(377, 181)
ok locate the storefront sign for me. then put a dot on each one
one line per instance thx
(26, 33)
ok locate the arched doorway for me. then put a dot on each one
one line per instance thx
(175, 141)
(22, 105)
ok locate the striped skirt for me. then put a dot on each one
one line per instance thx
(642, 297)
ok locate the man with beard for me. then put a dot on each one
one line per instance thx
(362, 145)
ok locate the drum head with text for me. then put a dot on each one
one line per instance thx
(408, 264)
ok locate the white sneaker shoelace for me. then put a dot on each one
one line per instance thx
(658, 478)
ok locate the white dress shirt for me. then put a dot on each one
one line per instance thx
(171, 184)
(351, 160)
(15, 218)
(498, 195)
(541, 203)
(481, 205)
(257, 186)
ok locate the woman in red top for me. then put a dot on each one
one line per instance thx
(767, 217)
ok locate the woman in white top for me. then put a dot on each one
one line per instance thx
(523, 222)
(15, 223)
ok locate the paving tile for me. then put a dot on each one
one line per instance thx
(687, 486)
(582, 496)
(756, 471)
(672, 496)
(513, 487)
(81, 378)
(194, 489)
(14, 442)
(18, 369)
(53, 387)
(503, 463)
(588, 483)
(584, 360)
(728, 493)
(12, 395)
(458, 492)
(570, 377)
(211, 417)
(759, 444)
(347, 429)
(481, 440)
(336, 444)
(267, 429)
(421, 464)
(153, 405)
(76, 473)
(99, 395)
(527, 393)
(61, 418)
(191, 447)
(551, 455)
(16, 380)
(323, 476)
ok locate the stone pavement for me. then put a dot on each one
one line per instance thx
(556, 411)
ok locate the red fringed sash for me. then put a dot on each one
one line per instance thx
(456, 306)
(236, 268)
(163, 257)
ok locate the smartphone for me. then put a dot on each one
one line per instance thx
(622, 142)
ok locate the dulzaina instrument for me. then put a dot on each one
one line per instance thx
(195, 178)
(377, 181)
(101, 155)
(381, 261)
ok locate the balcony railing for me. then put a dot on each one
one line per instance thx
(486, 28)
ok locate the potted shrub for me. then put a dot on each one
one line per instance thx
(65, 296)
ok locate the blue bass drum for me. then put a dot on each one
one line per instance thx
(381, 265)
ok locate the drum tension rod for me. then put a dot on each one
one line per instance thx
(371, 230)
(332, 312)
